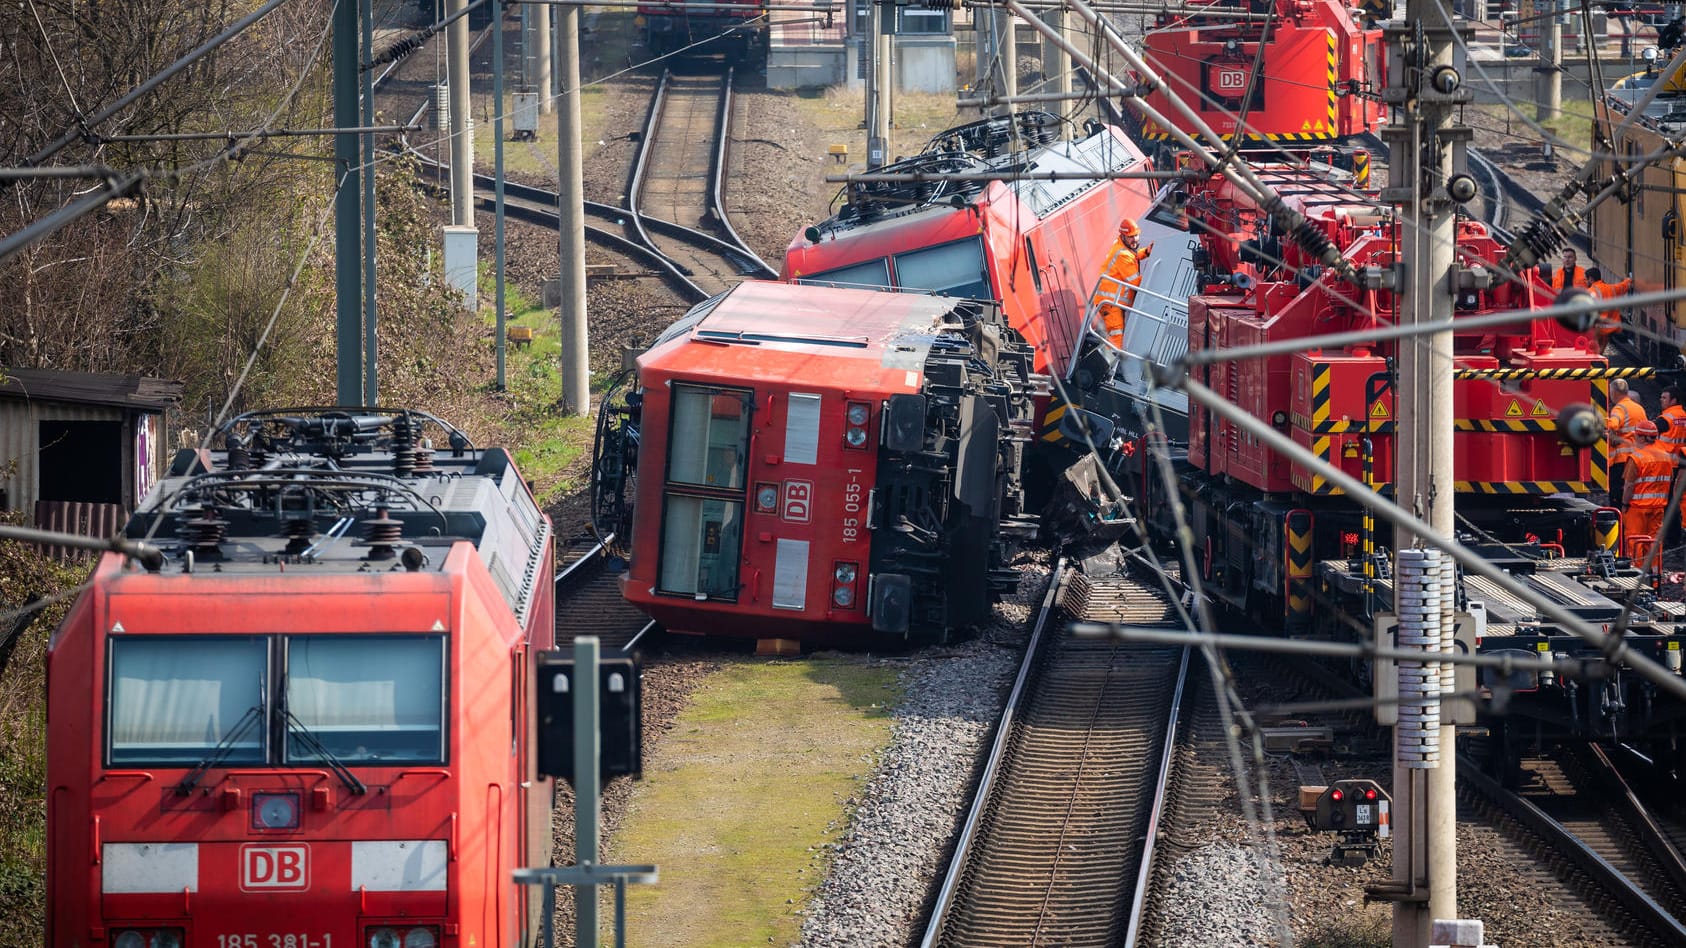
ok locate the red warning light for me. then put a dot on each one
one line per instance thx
(1369, 793)
(1336, 795)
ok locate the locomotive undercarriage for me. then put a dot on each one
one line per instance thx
(949, 498)
(1255, 549)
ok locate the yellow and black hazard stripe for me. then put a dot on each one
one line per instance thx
(1360, 168)
(1334, 85)
(1343, 427)
(1498, 425)
(1607, 528)
(1050, 428)
(1519, 375)
(1601, 447)
(1313, 482)
(1297, 554)
(1505, 425)
(1523, 487)
(1319, 396)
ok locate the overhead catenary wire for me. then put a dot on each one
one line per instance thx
(1612, 647)
(153, 82)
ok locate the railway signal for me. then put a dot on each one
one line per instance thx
(1357, 809)
(620, 710)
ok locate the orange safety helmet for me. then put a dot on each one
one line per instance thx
(1127, 228)
(1645, 428)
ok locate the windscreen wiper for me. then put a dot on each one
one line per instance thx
(220, 752)
(352, 784)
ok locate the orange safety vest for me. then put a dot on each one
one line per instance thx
(1623, 417)
(1673, 440)
(1579, 278)
(1655, 470)
(1612, 323)
(1116, 291)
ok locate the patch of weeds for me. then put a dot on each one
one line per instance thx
(1351, 933)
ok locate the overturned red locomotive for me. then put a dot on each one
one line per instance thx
(310, 726)
(821, 464)
(993, 229)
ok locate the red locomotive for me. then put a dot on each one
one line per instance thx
(311, 728)
(821, 464)
(1037, 246)
(740, 26)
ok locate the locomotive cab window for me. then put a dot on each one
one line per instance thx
(365, 700)
(702, 515)
(952, 269)
(710, 437)
(174, 701)
(190, 701)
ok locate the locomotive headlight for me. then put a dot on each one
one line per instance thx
(766, 498)
(422, 936)
(166, 938)
(129, 939)
(843, 596)
(845, 573)
(856, 437)
(858, 413)
(384, 938)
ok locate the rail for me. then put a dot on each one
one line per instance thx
(1623, 890)
(1144, 872)
(997, 752)
(734, 251)
(1655, 839)
(717, 183)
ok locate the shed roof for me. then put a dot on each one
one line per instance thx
(140, 392)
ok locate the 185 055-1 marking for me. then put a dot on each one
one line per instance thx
(852, 507)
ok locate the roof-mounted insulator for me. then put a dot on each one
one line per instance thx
(383, 534)
(403, 445)
(300, 531)
(205, 533)
(424, 458)
(239, 454)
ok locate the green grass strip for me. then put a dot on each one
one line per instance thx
(754, 778)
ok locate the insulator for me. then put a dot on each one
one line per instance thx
(239, 455)
(205, 532)
(383, 533)
(424, 458)
(403, 445)
(300, 531)
(1536, 242)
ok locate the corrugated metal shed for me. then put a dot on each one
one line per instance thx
(122, 416)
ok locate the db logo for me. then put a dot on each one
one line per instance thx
(798, 505)
(273, 868)
(1229, 80)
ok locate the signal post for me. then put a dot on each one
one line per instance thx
(1425, 151)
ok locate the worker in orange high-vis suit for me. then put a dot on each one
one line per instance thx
(1610, 320)
(1117, 290)
(1671, 437)
(1568, 274)
(1646, 495)
(1625, 412)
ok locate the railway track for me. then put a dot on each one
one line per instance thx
(1058, 845)
(588, 600)
(1566, 817)
(696, 264)
(676, 180)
